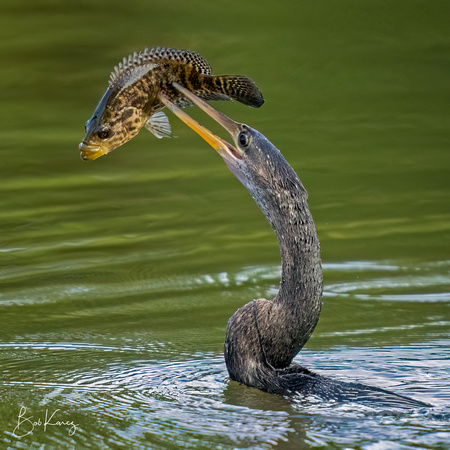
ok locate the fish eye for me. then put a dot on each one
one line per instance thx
(243, 139)
(104, 133)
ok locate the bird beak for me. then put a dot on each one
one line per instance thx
(225, 149)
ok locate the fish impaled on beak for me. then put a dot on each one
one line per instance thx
(132, 99)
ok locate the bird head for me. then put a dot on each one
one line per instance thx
(252, 158)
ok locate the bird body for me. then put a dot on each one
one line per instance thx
(263, 336)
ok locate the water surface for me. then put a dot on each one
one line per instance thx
(117, 277)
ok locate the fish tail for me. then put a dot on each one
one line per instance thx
(240, 88)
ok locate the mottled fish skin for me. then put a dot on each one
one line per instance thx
(132, 97)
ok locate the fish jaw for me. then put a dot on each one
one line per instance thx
(89, 152)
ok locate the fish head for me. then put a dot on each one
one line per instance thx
(112, 125)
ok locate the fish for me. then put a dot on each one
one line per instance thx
(132, 100)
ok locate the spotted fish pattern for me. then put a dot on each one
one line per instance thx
(131, 100)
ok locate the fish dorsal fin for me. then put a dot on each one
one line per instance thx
(137, 64)
(130, 76)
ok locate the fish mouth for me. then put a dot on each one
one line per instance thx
(89, 152)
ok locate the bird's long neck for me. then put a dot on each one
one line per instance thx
(301, 279)
(296, 308)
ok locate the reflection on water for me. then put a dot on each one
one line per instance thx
(132, 391)
(190, 401)
(418, 279)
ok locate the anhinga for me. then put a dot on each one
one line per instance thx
(263, 336)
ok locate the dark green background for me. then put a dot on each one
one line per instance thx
(143, 254)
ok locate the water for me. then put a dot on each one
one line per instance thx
(117, 277)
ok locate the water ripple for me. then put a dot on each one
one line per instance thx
(427, 281)
(190, 402)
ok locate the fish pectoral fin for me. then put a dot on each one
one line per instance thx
(159, 125)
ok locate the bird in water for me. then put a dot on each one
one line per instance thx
(264, 336)
(132, 102)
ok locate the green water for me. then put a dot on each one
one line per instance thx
(118, 276)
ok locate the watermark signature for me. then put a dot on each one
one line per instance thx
(27, 423)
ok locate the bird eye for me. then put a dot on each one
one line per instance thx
(104, 133)
(243, 139)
